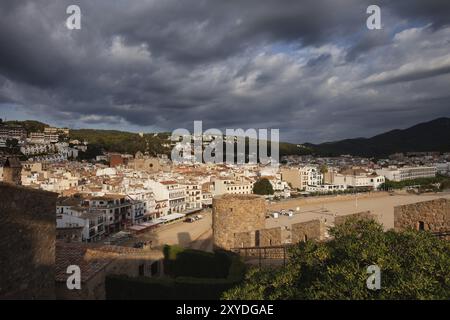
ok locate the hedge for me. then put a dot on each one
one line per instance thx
(179, 262)
(193, 275)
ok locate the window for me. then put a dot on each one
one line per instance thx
(257, 238)
(421, 226)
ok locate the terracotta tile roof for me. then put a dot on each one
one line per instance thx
(168, 182)
(74, 254)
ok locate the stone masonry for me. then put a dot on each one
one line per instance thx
(269, 237)
(244, 239)
(309, 230)
(338, 220)
(433, 215)
(235, 214)
(27, 243)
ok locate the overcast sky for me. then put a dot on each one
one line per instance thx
(310, 68)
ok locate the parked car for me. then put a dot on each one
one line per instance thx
(198, 217)
(190, 219)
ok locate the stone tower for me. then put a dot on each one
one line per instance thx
(236, 214)
(12, 171)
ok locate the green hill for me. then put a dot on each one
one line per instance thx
(428, 136)
(29, 125)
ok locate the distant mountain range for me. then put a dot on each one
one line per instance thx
(427, 136)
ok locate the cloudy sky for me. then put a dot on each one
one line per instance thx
(310, 68)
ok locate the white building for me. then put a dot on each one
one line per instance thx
(407, 173)
(310, 176)
(194, 195)
(148, 198)
(229, 186)
(443, 168)
(70, 215)
(206, 199)
(358, 179)
(325, 188)
(172, 193)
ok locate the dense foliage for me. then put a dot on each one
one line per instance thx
(190, 274)
(180, 262)
(263, 187)
(28, 125)
(414, 265)
(423, 182)
(123, 142)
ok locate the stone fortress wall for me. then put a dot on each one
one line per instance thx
(309, 230)
(338, 220)
(433, 216)
(27, 243)
(236, 214)
(239, 222)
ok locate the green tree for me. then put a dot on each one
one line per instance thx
(414, 265)
(93, 150)
(263, 187)
(12, 143)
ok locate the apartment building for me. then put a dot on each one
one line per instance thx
(117, 209)
(12, 132)
(71, 214)
(171, 192)
(407, 173)
(310, 176)
(34, 149)
(57, 131)
(229, 186)
(302, 177)
(194, 195)
(148, 199)
(325, 188)
(41, 137)
(358, 178)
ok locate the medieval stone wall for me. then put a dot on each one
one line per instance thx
(235, 214)
(309, 230)
(338, 220)
(27, 243)
(433, 215)
(269, 237)
(244, 239)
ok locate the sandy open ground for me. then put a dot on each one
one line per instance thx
(198, 234)
(381, 205)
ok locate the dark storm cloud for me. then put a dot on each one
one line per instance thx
(310, 68)
(369, 41)
(413, 76)
(435, 12)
